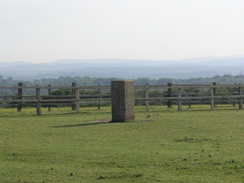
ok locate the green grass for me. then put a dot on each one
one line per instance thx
(160, 146)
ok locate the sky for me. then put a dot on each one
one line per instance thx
(48, 30)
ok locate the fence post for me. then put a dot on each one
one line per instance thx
(20, 96)
(169, 95)
(99, 97)
(189, 103)
(179, 100)
(212, 96)
(240, 99)
(49, 94)
(73, 93)
(214, 93)
(77, 99)
(38, 98)
(147, 96)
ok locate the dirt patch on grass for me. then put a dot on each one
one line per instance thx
(191, 139)
(121, 176)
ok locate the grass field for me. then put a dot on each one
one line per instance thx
(159, 146)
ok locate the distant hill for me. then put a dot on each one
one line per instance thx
(125, 68)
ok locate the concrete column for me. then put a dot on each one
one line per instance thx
(122, 100)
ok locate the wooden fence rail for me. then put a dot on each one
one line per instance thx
(170, 93)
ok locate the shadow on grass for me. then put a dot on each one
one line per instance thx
(42, 115)
(85, 124)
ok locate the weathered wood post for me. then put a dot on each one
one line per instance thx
(190, 94)
(20, 96)
(73, 94)
(189, 103)
(49, 94)
(214, 93)
(38, 103)
(240, 99)
(169, 95)
(147, 97)
(122, 100)
(212, 96)
(77, 99)
(179, 100)
(99, 97)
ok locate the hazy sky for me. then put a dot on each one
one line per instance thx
(47, 30)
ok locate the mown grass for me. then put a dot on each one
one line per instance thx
(160, 146)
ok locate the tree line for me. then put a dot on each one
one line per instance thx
(85, 81)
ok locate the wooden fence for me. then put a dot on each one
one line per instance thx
(166, 94)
